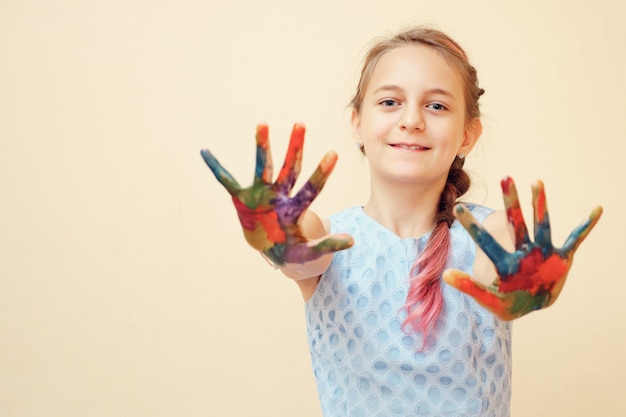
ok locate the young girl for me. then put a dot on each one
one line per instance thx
(386, 336)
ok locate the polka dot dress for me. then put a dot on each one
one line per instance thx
(365, 365)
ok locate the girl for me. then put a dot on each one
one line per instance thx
(386, 336)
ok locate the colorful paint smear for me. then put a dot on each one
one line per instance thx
(532, 276)
(268, 214)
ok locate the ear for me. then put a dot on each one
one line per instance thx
(355, 121)
(473, 130)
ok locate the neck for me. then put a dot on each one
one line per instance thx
(408, 210)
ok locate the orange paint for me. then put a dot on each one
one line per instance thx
(485, 298)
(270, 224)
(541, 206)
(262, 133)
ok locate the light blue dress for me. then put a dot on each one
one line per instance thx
(366, 366)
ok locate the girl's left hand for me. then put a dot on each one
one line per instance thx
(531, 277)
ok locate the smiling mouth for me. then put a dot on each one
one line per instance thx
(409, 147)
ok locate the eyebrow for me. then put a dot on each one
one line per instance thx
(392, 87)
(440, 91)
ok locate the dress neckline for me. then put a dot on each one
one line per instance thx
(387, 231)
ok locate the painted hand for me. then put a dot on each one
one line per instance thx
(531, 277)
(268, 215)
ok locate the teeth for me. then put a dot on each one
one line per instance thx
(410, 147)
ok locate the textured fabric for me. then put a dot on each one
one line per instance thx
(365, 365)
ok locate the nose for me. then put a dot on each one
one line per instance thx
(411, 119)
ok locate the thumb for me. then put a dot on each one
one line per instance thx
(462, 281)
(487, 296)
(331, 243)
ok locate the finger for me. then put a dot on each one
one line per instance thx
(463, 282)
(316, 182)
(487, 296)
(331, 244)
(543, 236)
(580, 233)
(514, 212)
(315, 249)
(503, 261)
(264, 168)
(222, 175)
(293, 161)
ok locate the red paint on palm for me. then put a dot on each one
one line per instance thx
(488, 299)
(535, 273)
(532, 276)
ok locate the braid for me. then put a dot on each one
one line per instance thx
(457, 184)
(424, 302)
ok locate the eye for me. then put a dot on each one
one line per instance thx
(388, 102)
(437, 106)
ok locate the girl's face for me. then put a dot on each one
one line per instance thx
(412, 120)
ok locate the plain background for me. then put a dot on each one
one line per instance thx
(126, 287)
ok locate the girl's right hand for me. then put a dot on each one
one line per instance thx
(270, 218)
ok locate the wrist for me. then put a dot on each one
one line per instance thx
(269, 261)
(308, 286)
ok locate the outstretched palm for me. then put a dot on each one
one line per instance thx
(531, 277)
(268, 215)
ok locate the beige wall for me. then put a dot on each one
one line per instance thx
(126, 288)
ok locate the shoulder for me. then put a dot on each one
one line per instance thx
(340, 220)
(348, 213)
(345, 219)
(478, 211)
(487, 216)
